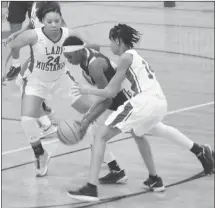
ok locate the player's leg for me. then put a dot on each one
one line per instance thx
(44, 121)
(16, 16)
(31, 106)
(151, 110)
(203, 152)
(154, 181)
(89, 191)
(116, 173)
(33, 96)
(119, 121)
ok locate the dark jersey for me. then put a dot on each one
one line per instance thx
(109, 73)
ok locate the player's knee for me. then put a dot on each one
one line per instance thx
(30, 109)
(104, 136)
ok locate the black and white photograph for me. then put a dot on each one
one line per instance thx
(107, 104)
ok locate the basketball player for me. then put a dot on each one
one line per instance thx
(48, 127)
(143, 112)
(16, 16)
(47, 74)
(98, 71)
(44, 121)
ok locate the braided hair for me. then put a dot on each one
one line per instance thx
(127, 34)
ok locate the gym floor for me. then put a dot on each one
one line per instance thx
(179, 45)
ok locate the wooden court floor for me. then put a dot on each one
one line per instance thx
(188, 82)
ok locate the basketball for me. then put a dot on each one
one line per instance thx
(69, 132)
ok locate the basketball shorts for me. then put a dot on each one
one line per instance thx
(139, 113)
(47, 90)
(17, 11)
(119, 100)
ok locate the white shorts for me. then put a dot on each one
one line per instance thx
(140, 113)
(46, 90)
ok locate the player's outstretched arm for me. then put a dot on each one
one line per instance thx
(17, 33)
(28, 37)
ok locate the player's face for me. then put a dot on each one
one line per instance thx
(73, 58)
(114, 46)
(52, 21)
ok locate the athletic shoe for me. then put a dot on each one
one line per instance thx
(114, 177)
(48, 131)
(86, 193)
(13, 73)
(41, 164)
(207, 159)
(154, 184)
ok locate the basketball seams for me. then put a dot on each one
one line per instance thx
(72, 131)
(59, 129)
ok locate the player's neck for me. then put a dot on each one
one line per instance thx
(52, 35)
(122, 49)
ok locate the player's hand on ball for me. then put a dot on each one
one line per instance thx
(83, 128)
(78, 89)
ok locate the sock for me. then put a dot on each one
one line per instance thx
(108, 157)
(154, 178)
(37, 148)
(15, 62)
(91, 185)
(32, 132)
(113, 165)
(196, 149)
(45, 121)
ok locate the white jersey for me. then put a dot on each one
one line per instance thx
(34, 20)
(140, 77)
(48, 62)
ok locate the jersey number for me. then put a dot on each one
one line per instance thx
(148, 69)
(51, 59)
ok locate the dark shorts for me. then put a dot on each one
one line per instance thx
(118, 100)
(17, 11)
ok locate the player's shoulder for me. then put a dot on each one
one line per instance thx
(126, 57)
(97, 63)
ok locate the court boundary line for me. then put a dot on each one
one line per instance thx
(83, 204)
(148, 49)
(169, 113)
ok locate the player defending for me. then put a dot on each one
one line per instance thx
(98, 70)
(143, 112)
(48, 72)
(44, 121)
